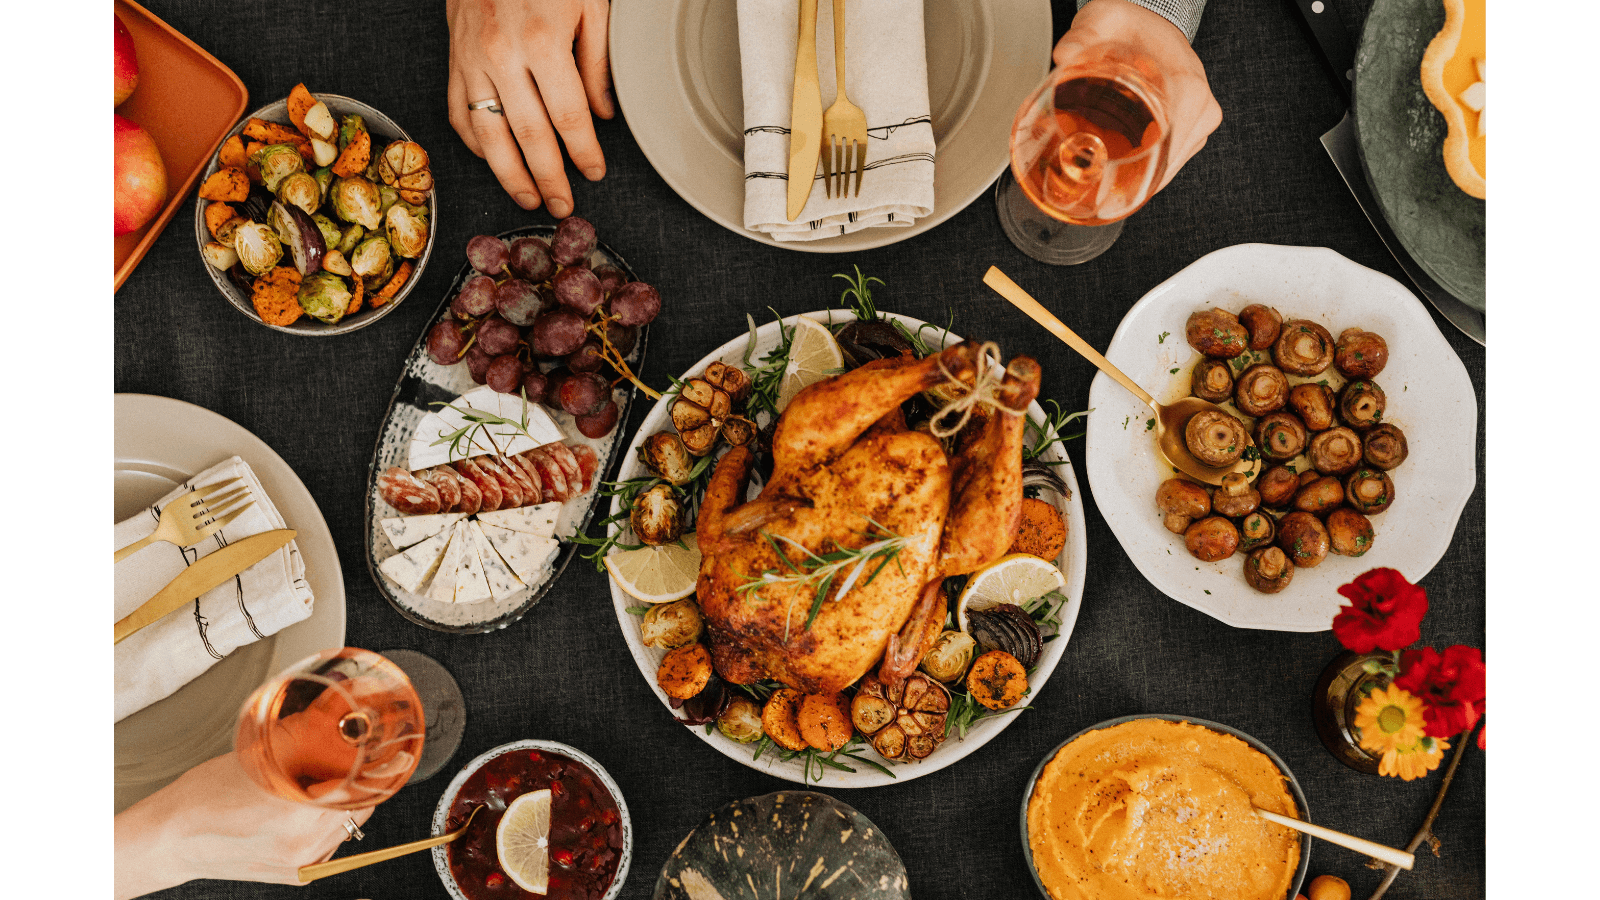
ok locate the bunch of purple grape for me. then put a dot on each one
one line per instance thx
(536, 301)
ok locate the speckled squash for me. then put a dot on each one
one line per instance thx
(787, 844)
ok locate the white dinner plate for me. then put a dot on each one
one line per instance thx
(160, 442)
(675, 67)
(1072, 562)
(1430, 398)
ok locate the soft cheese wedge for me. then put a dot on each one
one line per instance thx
(404, 531)
(443, 588)
(503, 582)
(412, 569)
(525, 553)
(472, 586)
(426, 451)
(540, 520)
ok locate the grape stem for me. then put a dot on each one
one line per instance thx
(609, 353)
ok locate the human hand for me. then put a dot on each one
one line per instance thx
(1192, 113)
(546, 62)
(214, 822)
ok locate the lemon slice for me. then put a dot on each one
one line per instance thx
(1017, 579)
(657, 574)
(522, 841)
(813, 355)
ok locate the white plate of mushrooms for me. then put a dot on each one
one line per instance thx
(1408, 509)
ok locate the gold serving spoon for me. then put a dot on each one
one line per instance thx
(1170, 418)
(336, 866)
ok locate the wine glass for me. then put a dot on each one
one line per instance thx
(1088, 148)
(342, 729)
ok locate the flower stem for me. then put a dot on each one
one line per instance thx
(1426, 831)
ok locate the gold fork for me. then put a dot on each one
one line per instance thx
(844, 126)
(195, 516)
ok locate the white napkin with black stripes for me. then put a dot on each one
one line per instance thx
(267, 597)
(887, 75)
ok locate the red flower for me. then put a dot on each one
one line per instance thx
(1452, 684)
(1385, 612)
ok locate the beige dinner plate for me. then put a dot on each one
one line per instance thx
(160, 442)
(675, 69)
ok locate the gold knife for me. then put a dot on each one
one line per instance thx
(805, 116)
(212, 569)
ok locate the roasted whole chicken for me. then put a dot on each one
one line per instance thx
(847, 471)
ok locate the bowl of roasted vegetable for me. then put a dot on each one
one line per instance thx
(317, 215)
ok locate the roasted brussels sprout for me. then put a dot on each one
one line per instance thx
(325, 297)
(1304, 538)
(324, 178)
(1360, 354)
(1263, 323)
(407, 227)
(1313, 403)
(1369, 490)
(349, 127)
(352, 236)
(1261, 389)
(300, 191)
(1212, 380)
(949, 657)
(277, 162)
(1215, 437)
(1361, 404)
(220, 256)
(1256, 529)
(658, 515)
(258, 247)
(1384, 447)
(668, 626)
(1335, 452)
(741, 721)
(1280, 436)
(1319, 495)
(1235, 497)
(1268, 570)
(404, 167)
(1216, 333)
(356, 199)
(1211, 539)
(387, 198)
(1277, 487)
(1303, 348)
(1349, 532)
(331, 235)
(665, 454)
(1181, 502)
(371, 257)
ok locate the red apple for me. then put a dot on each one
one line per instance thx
(125, 62)
(141, 177)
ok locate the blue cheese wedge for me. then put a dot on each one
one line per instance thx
(503, 582)
(412, 569)
(404, 531)
(525, 553)
(443, 588)
(540, 519)
(472, 586)
(431, 444)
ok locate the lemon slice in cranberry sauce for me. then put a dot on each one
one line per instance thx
(522, 841)
(1454, 78)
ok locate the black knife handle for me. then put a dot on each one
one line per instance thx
(1331, 38)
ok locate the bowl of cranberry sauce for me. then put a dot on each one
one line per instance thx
(591, 836)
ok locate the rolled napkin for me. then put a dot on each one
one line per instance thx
(271, 595)
(886, 72)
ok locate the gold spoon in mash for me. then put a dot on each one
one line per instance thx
(1170, 418)
(312, 872)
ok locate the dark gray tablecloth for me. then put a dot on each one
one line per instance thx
(563, 672)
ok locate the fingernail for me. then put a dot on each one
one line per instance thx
(527, 201)
(560, 208)
(594, 173)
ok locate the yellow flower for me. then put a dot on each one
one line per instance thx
(1390, 720)
(1413, 762)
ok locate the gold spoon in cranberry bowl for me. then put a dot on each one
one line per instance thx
(311, 873)
(1215, 429)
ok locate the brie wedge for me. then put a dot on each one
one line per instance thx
(412, 568)
(502, 581)
(443, 588)
(403, 531)
(526, 554)
(540, 519)
(431, 444)
(471, 584)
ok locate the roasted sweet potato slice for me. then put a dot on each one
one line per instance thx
(272, 133)
(354, 157)
(228, 185)
(824, 721)
(997, 680)
(357, 295)
(232, 154)
(276, 296)
(780, 719)
(393, 285)
(300, 100)
(1040, 531)
(216, 215)
(685, 671)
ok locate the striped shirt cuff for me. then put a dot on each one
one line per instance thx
(1183, 13)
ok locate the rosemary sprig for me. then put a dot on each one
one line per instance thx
(858, 295)
(766, 374)
(818, 572)
(464, 440)
(691, 492)
(815, 763)
(1040, 437)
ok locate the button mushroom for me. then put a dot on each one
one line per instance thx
(1319, 496)
(1263, 323)
(1235, 497)
(1361, 404)
(1216, 333)
(1349, 532)
(1268, 570)
(1280, 436)
(1277, 487)
(1336, 451)
(1215, 437)
(1360, 354)
(1304, 538)
(1181, 502)
(1313, 403)
(1212, 380)
(1211, 539)
(1369, 490)
(1256, 529)
(1260, 390)
(1303, 348)
(1384, 447)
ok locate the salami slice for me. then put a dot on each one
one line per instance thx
(446, 482)
(550, 473)
(510, 490)
(471, 497)
(487, 484)
(407, 493)
(531, 472)
(562, 454)
(530, 489)
(588, 464)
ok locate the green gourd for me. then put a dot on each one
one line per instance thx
(788, 844)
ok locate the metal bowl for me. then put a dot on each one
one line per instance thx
(441, 862)
(1294, 789)
(383, 130)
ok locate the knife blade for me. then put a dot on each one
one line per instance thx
(805, 114)
(211, 570)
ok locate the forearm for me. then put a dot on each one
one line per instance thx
(142, 864)
(1183, 13)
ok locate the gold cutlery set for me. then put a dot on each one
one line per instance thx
(839, 136)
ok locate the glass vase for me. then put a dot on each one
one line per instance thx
(1343, 685)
